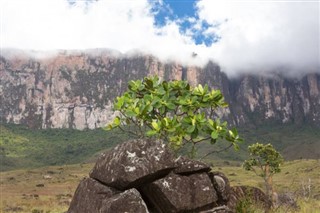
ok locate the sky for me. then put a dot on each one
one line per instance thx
(239, 35)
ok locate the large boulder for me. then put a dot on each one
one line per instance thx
(89, 196)
(129, 201)
(143, 175)
(133, 163)
(177, 193)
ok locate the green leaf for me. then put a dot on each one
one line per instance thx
(155, 125)
(190, 129)
(116, 121)
(214, 135)
(109, 127)
(130, 113)
(151, 133)
(171, 106)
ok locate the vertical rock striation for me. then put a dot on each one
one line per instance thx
(76, 89)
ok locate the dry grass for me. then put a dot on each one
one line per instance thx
(295, 177)
(48, 189)
(20, 193)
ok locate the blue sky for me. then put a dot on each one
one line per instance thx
(239, 35)
(183, 10)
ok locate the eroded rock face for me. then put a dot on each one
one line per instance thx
(75, 89)
(129, 201)
(187, 166)
(177, 193)
(89, 196)
(221, 185)
(132, 163)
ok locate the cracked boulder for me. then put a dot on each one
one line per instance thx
(89, 196)
(133, 163)
(177, 193)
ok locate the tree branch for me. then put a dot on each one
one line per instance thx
(216, 151)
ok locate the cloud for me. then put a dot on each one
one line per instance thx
(252, 35)
(262, 35)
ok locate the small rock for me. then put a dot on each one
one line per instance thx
(47, 177)
(221, 185)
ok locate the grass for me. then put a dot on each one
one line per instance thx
(293, 142)
(47, 189)
(20, 193)
(294, 177)
(21, 147)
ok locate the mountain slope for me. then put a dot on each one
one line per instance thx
(76, 89)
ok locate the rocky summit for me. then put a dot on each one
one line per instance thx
(73, 89)
(141, 176)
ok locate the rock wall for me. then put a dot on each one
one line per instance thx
(76, 89)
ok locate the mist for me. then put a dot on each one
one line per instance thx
(254, 36)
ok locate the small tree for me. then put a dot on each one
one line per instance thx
(264, 161)
(172, 111)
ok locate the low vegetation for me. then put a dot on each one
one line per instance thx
(21, 147)
(299, 178)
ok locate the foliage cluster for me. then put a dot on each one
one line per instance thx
(263, 156)
(264, 161)
(173, 111)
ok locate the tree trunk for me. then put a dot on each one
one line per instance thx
(269, 185)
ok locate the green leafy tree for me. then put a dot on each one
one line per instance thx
(174, 112)
(264, 161)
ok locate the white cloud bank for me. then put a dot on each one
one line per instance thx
(265, 34)
(258, 35)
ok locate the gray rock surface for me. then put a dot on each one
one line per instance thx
(74, 89)
(221, 185)
(129, 201)
(143, 175)
(89, 196)
(133, 163)
(189, 166)
(239, 193)
(177, 193)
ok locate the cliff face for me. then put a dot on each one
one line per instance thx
(76, 90)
